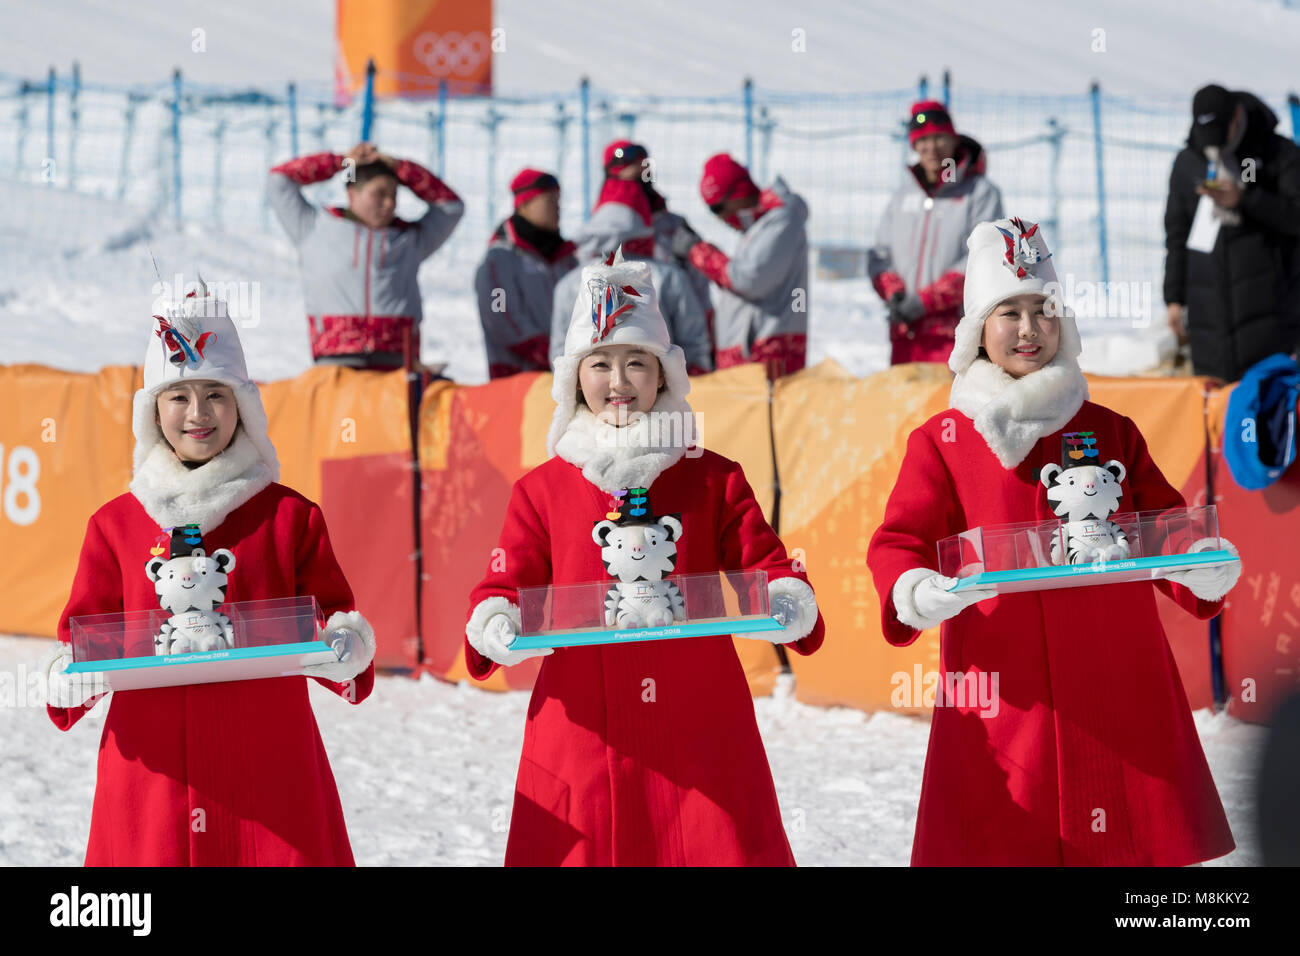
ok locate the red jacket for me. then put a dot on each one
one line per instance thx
(214, 774)
(1092, 757)
(608, 777)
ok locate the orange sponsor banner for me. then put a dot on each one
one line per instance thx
(343, 438)
(65, 450)
(476, 442)
(1261, 620)
(415, 44)
(1170, 413)
(839, 446)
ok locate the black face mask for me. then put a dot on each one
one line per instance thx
(545, 241)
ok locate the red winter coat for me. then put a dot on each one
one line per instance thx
(606, 777)
(245, 753)
(1092, 714)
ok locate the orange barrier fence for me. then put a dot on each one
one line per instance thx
(343, 440)
(1260, 625)
(65, 449)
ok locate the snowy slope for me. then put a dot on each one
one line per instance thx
(426, 775)
(689, 46)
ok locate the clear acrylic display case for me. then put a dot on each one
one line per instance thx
(271, 638)
(1042, 555)
(573, 615)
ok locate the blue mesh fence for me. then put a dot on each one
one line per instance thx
(845, 153)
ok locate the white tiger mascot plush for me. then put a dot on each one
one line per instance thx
(1084, 495)
(639, 549)
(190, 584)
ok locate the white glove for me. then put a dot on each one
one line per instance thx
(352, 639)
(792, 603)
(497, 636)
(924, 599)
(1209, 582)
(63, 689)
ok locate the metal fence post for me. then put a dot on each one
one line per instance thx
(749, 123)
(48, 170)
(218, 135)
(585, 96)
(442, 128)
(128, 135)
(176, 144)
(293, 120)
(1101, 183)
(75, 115)
(947, 86)
(1056, 135)
(368, 104)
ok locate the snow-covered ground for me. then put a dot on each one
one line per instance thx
(426, 774)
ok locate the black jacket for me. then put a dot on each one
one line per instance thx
(1242, 299)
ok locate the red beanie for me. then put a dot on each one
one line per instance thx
(724, 179)
(623, 152)
(530, 183)
(928, 117)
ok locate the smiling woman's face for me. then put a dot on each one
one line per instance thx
(198, 419)
(619, 379)
(1019, 336)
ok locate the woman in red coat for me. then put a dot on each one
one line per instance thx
(640, 753)
(227, 773)
(1087, 753)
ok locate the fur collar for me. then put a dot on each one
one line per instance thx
(633, 456)
(173, 495)
(1014, 413)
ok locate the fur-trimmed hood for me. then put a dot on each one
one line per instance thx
(173, 495)
(1014, 413)
(636, 454)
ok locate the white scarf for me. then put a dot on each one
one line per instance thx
(173, 495)
(633, 456)
(1014, 413)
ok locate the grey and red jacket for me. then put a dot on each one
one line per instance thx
(622, 219)
(515, 284)
(921, 247)
(761, 300)
(359, 284)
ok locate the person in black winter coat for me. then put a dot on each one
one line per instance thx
(1242, 299)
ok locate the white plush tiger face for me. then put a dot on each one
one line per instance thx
(638, 552)
(1085, 491)
(194, 582)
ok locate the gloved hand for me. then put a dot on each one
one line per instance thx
(792, 603)
(63, 689)
(1210, 582)
(905, 307)
(353, 641)
(684, 240)
(494, 644)
(924, 599)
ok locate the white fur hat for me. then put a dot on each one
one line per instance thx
(197, 341)
(1007, 258)
(617, 305)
